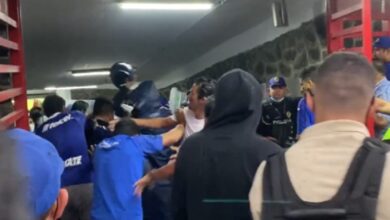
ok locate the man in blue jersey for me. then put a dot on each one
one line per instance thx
(119, 163)
(382, 52)
(66, 131)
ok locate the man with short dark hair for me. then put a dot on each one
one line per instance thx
(81, 106)
(118, 164)
(333, 167)
(53, 104)
(66, 131)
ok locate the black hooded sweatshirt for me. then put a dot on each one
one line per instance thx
(216, 167)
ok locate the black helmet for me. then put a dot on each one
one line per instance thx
(120, 73)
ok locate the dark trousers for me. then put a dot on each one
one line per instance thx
(80, 202)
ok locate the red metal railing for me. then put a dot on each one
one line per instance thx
(352, 21)
(19, 116)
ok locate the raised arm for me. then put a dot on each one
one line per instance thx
(173, 136)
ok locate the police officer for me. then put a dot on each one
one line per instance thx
(279, 117)
(382, 52)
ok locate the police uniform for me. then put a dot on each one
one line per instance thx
(279, 118)
(66, 132)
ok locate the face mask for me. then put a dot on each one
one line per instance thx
(275, 100)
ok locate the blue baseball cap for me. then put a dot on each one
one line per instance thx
(277, 81)
(41, 167)
(382, 42)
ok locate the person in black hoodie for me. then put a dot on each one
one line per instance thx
(215, 167)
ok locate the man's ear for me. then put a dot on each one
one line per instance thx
(62, 201)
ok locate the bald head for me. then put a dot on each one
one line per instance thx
(344, 86)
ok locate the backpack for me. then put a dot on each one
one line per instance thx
(356, 199)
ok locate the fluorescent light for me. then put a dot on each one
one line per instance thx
(167, 6)
(93, 73)
(70, 88)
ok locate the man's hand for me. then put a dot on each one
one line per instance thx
(174, 156)
(382, 106)
(140, 185)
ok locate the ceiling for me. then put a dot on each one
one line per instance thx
(61, 35)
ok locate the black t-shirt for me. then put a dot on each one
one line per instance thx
(279, 120)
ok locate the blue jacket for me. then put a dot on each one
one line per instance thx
(305, 117)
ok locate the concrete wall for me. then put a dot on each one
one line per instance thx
(299, 11)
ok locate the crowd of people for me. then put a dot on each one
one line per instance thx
(226, 154)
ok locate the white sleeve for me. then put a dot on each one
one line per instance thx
(256, 193)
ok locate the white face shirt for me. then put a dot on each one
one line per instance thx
(193, 124)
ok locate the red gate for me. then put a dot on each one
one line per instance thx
(12, 41)
(354, 24)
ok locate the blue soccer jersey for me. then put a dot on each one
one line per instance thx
(66, 132)
(118, 164)
(305, 117)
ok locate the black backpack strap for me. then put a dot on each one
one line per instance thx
(273, 198)
(370, 177)
(368, 181)
(273, 169)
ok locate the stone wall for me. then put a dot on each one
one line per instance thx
(90, 94)
(287, 55)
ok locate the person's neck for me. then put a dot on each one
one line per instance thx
(277, 100)
(323, 117)
(199, 113)
(54, 115)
